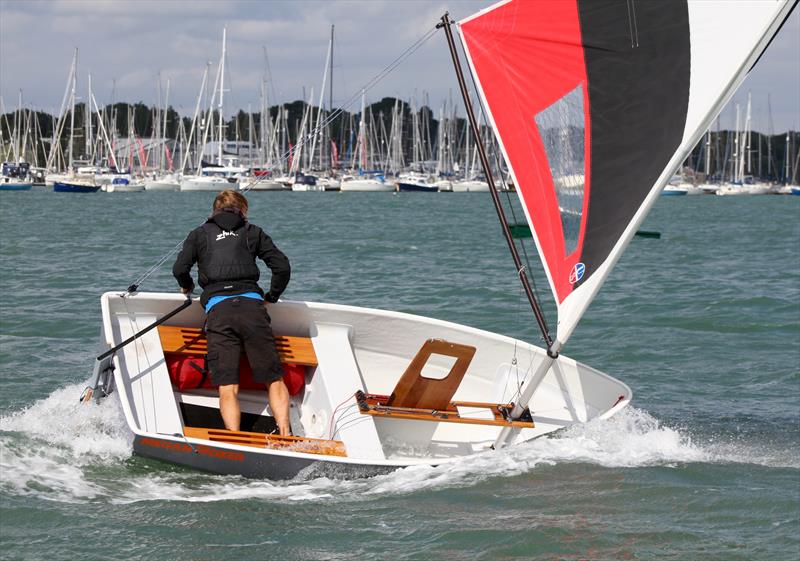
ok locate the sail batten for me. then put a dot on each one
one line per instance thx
(594, 105)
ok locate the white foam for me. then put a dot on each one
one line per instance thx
(59, 449)
(88, 431)
(46, 448)
(632, 439)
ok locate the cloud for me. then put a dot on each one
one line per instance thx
(131, 41)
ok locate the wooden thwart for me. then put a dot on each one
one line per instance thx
(376, 405)
(192, 341)
(419, 398)
(275, 442)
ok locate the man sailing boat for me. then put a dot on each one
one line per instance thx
(225, 249)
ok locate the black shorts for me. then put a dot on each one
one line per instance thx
(238, 324)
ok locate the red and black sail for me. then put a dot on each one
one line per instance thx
(595, 103)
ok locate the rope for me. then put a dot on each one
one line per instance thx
(333, 415)
(301, 142)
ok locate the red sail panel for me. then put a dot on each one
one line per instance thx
(526, 57)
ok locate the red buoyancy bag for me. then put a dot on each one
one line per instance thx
(187, 373)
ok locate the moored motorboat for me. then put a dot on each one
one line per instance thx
(304, 182)
(15, 177)
(415, 182)
(15, 184)
(125, 185)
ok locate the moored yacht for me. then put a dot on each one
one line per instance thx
(169, 182)
(364, 183)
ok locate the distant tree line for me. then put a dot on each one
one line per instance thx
(767, 154)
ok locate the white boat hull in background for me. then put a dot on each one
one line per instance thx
(305, 188)
(366, 185)
(132, 187)
(263, 185)
(207, 183)
(674, 190)
(166, 183)
(470, 187)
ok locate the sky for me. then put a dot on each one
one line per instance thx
(131, 42)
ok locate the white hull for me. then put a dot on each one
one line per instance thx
(758, 189)
(444, 186)
(746, 189)
(672, 190)
(51, 178)
(204, 183)
(785, 189)
(364, 185)
(356, 349)
(168, 183)
(329, 183)
(303, 188)
(263, 185)
(124, 188)
(691, 189)
(470, 187)
(709, 188)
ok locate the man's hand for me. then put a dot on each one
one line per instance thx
(187, 290)
(270, 298)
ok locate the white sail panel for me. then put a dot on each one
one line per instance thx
(724, 36)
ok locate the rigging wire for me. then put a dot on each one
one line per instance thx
(375, 80)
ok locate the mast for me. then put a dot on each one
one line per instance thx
(736, 148)
(537, 311)
(89, 138)
(770, 132)
(18, 130)
(330, 108)
(163, 151)
(748, 126)
(221, 94)
(786, 160)
(72, 102)
(317, 132)
(194, 119)
(112, 160)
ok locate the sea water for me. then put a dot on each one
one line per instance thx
(703, 324)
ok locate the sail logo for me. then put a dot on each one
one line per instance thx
(577, 273)
(225, 234)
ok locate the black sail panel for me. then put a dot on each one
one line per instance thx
(638, 69)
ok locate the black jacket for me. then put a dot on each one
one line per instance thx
(225, 250)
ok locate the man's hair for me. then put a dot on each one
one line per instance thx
(230, 199)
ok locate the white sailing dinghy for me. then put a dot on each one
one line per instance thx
(587, 89)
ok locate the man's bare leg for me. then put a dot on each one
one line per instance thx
(229, 406)
(279, 404)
